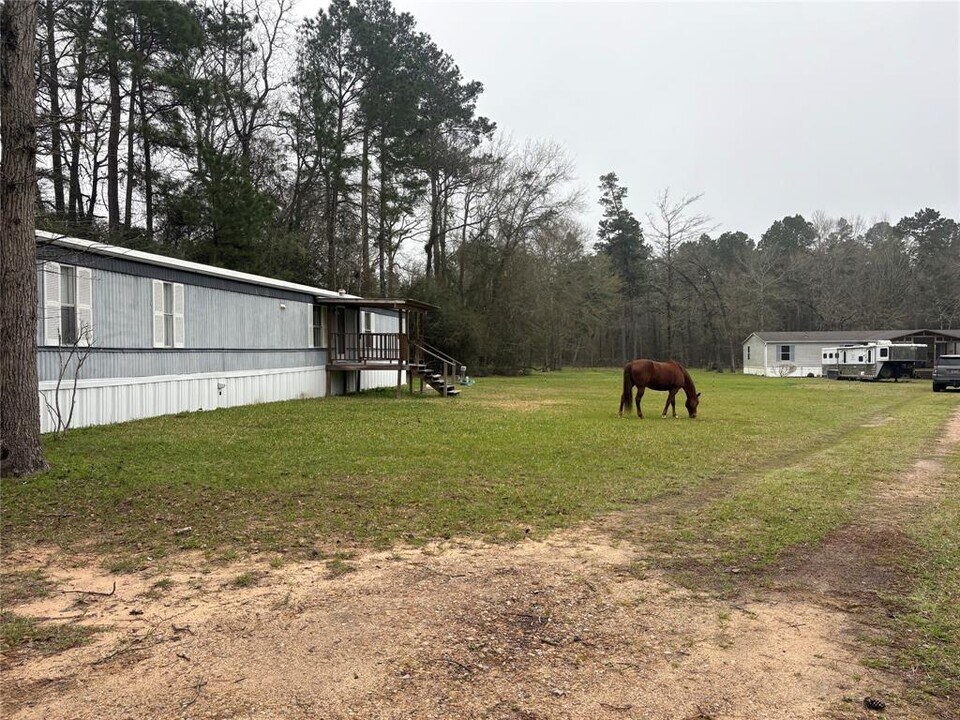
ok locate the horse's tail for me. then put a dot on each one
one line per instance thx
(626, 398)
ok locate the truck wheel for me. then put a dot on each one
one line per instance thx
(938, 387)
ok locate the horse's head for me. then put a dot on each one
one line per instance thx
(692, 402)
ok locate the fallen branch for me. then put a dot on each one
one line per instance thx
(618, 708)
(95, 592)
(199, 687)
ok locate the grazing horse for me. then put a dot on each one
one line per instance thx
(670, 376)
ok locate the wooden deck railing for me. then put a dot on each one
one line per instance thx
(368, 347)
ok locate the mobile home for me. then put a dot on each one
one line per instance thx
(124, 334)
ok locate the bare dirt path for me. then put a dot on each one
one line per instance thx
(576, 626)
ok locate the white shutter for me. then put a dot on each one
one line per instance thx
(309, 326)
(158, 325)
(84, 306)
(51, 303)
(178, 326)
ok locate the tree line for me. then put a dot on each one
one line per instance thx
(346, 150)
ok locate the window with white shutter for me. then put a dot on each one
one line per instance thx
(84, 297)
(67, 305)
(168, 314)
(159, 330)
(179, 331)
(51, 303)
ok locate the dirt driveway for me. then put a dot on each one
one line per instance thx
(580, 625)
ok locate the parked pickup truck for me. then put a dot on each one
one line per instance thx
(946, 372)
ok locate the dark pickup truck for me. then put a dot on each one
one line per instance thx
(946, 372)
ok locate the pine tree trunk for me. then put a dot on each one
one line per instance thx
(75, 205)
(55, 135)
(20, 450)
(147, 169)
(113, 138)
(131, 135)
(382, 228)
(365, 283)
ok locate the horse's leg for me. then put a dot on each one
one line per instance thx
(670, 401)
(639, 395)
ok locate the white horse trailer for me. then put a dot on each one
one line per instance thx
(881, 360)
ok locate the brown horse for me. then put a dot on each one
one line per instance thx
(670, 376)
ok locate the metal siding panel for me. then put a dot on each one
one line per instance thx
(122, 310)
(106, 363)
(223, 319)
(100, 405)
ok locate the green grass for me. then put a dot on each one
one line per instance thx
(932, 617)
(806, 498)
(21, 586)
(537, 452)
(19, 633)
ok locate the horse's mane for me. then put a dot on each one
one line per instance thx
(687, 381)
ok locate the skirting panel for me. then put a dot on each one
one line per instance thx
(370, 379)
(104, 401)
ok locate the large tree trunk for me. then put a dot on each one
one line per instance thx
(20, 450)
(113, 138)
(56, 141)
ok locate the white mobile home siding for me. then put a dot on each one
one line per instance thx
(243, 344)
(804, 360)
(754, 356)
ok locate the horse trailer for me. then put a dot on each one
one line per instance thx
(881, 360)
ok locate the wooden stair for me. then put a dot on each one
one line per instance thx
(435, 380)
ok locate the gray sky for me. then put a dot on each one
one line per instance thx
(769, 109)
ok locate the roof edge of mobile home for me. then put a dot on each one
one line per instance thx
(99, 248)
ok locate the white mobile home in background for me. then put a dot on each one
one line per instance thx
(798, 354)
(157, 335)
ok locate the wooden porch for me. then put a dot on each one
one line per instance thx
(350, 349)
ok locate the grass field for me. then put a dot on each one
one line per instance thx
(790, 458)
(769, 468)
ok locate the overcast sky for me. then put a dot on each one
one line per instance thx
(768, 109)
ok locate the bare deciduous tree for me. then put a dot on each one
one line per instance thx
(670, 225)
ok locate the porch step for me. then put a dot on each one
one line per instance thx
(435, 380)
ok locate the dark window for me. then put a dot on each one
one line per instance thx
(168, 314)
(315, 325)
(884, 352)
(786, 352)
(68, 305)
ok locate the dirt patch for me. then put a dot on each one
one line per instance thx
(553, 629)
(862, 559)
